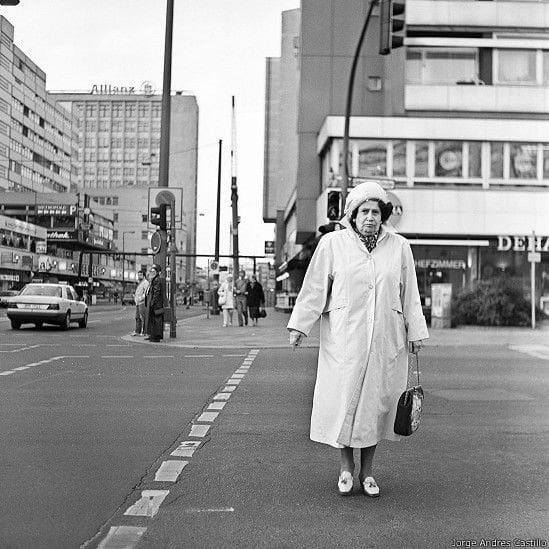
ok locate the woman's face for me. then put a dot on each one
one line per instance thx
(368, 218)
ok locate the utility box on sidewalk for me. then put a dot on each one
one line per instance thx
(441, 305)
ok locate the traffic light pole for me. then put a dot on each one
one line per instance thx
(173, 251)
(348, 106)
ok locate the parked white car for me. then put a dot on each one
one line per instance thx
(40, 304)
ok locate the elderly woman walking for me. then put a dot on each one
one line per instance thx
(361, 282)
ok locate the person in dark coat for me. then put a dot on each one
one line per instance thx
(256, 299)
(154, 301)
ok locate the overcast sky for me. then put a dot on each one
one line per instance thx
(219, 50)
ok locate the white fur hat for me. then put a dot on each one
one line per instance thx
(370, 190)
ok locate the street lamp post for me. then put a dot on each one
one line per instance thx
(124, 233)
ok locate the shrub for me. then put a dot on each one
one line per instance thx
(495, 302)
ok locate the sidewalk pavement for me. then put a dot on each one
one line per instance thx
(202, 332)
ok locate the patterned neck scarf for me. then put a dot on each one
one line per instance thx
(369, 240)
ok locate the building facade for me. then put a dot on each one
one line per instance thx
(119, 154)
(38, 139)
(455, 124)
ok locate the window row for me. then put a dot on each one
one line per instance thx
(120, 109)
(470, 160)
(475, 66)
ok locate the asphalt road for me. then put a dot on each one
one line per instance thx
(87, 430)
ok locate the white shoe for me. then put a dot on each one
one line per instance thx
(370, 487)
(345, 483)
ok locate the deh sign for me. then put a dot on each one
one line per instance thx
(523, 243)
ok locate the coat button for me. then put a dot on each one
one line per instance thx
(371, 286)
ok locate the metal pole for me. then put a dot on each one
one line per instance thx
(533, 280)
(208, 294)
(234, 194)
(348, 106)
(218, 211)
(173, 251)
(166, 100)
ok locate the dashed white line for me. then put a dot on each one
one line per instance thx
(170, 470)
(186, 448)
(117, 356)
(148, 504)
(222, 396)
(158, 356)
(217, 406)
(199, 431)
(208, 417)
(199, 356)
(122, 537)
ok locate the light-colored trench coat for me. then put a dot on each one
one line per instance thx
(369, 308)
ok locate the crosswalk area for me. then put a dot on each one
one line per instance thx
(538, 351)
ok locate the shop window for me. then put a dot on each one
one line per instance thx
(523, 161)
(545, 54)
(475, 159)
(496, 160)
(372, 158)
(448, 159)
(516, 66)
(399, 158)
(421, 165)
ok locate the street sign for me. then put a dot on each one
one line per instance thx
(214, 266)
(534, 257)
(269, 247)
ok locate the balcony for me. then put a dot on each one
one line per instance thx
(476, 98)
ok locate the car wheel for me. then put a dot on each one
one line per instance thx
(67, 321)
(15, 324)
(38, 324)
(84, 322)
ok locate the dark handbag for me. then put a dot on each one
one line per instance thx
(262, 313)
(158, 312)
(410, 403)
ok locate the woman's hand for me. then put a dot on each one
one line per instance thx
(296, 337)
(415, 346)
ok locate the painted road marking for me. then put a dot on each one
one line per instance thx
(538, 351)
(39, 363)
(22, 349)
(122, 537)
(186, 448)
(218, 510)
(170, 470)
(158, 356)
(117, 356)
(199, 431)
(208, 417)
(148, 504)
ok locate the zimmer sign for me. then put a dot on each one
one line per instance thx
(523, 243)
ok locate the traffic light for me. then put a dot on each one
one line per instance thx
(389, 25)
(158, 216)
(333, 210)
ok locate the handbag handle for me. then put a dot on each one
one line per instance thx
(417, 364)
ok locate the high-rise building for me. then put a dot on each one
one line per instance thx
(119, 153)
(37, 138)
(455, 124)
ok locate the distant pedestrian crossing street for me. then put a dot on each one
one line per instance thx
(538, 351)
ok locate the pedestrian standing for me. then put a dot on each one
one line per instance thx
(139, 299)
(155, 306)
(256, 299)
(226, 301)
(361, 282)
(241, 298)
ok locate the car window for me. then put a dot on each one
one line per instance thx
(73, 295)
(49, 291)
